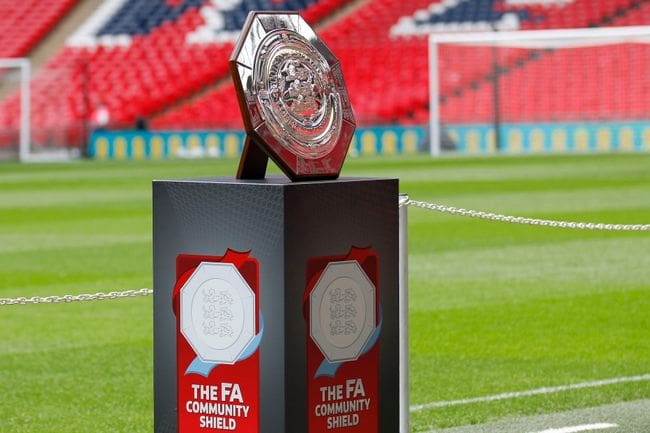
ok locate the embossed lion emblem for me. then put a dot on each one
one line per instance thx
(299, 92)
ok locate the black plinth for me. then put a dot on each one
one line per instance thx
(283, 224)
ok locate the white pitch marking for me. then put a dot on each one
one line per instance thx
(580, 428)
(538, 391)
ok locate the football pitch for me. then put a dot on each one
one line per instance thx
(494, 308)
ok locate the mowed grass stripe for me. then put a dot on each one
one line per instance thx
(541, 335)
(76, 270)
(584, 201)
(40, 199)
(465, 234)
(466, 169)
(495, 307)
(48, 242)
(509, 274)
(456, 176)
(105, 218)
(75, 325)
(101, 388)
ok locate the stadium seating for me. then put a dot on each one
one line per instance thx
(24, 23)
(137, 63)
(387, 74)
(166, 60)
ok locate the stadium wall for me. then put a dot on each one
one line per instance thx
(518, 138)
(137, 144)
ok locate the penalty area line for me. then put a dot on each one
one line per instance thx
(530, 392)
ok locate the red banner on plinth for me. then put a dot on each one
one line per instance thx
(218, 331)
(343, 317)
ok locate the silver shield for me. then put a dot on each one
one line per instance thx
(217, 312)
(342, 311)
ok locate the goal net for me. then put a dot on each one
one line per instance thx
(540, 91)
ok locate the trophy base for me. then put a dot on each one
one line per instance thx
(292, 230)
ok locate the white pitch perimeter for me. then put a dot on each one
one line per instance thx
(580, 428)
(538, 391)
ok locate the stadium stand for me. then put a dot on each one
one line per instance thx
(166, 60)
(382, 48)
(26, 22)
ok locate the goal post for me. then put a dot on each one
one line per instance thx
(43, 116)
(540, 90)
(23, 65)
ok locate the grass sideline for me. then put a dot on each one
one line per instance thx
(494, 307)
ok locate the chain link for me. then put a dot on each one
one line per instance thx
(523, 220)
(100, 296)
(404, 200)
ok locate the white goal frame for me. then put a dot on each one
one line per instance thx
(519, 39)
(24, 65)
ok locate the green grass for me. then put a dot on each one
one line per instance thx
(494, 307)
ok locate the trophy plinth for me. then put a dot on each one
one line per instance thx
(306, 238)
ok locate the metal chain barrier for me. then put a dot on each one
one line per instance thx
(100, 296)
(405, 201)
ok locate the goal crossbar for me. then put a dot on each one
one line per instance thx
(562, 37)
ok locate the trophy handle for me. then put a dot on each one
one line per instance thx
(252, 164)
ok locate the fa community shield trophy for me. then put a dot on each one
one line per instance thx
(293, 99)
(275, 300)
